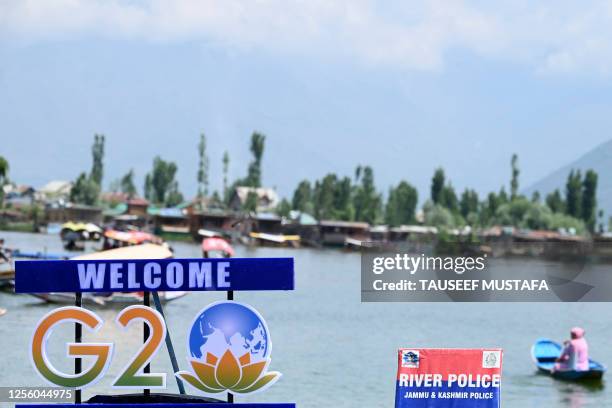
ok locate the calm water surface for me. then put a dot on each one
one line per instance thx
(332, 349)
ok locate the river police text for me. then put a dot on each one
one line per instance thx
(122, 276)
(461, 380)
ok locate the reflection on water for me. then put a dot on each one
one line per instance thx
(577, 395)
(332, 349)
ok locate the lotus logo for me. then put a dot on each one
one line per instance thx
(230, 348)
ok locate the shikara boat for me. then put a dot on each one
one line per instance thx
(275, 240)
(544, 353)
(84, 231)
(213, 246)
(119, 239)
(145, 251)
(7, 273)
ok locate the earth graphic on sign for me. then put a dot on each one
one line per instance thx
(229, 325)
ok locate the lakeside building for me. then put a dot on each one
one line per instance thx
(212, 220)
(267, 223)
(17, 196)
(267, 199)
(412, 232)
(59, 214)
(336, 233)
(304, 225)
(130, 212)
(137, 206)
(56, 190)
(169, 222)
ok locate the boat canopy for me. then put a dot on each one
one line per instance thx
(217, 244)
(132, 237)
(81, 226)
(145, 251)
(278, 238)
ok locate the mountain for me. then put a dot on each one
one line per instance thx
(598, 159)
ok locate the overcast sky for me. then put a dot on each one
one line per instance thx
(402, 86)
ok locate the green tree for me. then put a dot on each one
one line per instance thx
(468, 203)
(401, 205)
(202, 168)
(173, 197)
(490, 207)
(250, 204)
(323, 197)
(555, 202)
(97, 151)
(437, 185)
(589, 199)
(535, 197)
(343, 200)
(502, 196)
(514, 181)
(513, 212)
(448, 198)
(4, 169)
(283, 208)
(127, 185)
(257, 149)
(438, 216)
(85, 190)
(148, 188)
(160, 184)
(302, 197)
(573, 194)
(226, 161)
(367, 201)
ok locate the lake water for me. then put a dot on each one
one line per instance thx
(332, 349)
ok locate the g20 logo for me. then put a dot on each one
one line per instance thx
(129, 377)
(229, 343)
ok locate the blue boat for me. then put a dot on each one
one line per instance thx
(544, 353)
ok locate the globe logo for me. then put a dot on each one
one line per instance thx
(230, 350)
(233, 326)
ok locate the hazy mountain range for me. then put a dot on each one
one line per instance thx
(598, 159)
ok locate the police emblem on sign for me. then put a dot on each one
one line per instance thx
(491, 359)
(410, 358)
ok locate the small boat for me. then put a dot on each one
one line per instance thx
(277, 240)
(84, 231)
(120, 239)
(39, 255)
(209, 233)
(212, 245)
(544, 353)
(7, 272)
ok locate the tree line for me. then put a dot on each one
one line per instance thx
(356, 197)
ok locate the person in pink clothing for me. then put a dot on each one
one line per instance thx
(575, 354)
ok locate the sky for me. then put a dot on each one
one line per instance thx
(402, 86)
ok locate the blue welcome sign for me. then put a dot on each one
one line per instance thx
(132, 275)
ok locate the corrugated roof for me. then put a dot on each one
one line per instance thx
(119, 209)
(302, 218)
(344, 224)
